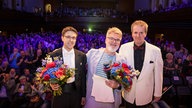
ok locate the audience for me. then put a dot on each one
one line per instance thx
(6, 90)
(85, 12)
(187, 65)
(113, 13)
(22, 89)
(33, 47)
(22, 54)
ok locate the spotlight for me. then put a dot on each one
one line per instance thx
(89, 30)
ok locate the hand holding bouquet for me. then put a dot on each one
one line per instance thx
(54, 74)
(122, 73)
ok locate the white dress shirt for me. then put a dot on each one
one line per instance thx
(69, 57)
(69, 60)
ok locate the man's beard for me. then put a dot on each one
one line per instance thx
(110, 49)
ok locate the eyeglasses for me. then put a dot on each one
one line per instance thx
(69, 37)
(113, 39)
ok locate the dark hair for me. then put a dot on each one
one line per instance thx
(68, 28)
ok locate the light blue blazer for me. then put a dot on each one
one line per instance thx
(93, 57)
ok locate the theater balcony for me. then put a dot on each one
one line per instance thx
(97, 23)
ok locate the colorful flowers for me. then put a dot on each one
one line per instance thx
(122, 73)
(54, 72)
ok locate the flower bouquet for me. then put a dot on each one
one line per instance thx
(122, 73)
(54, 72)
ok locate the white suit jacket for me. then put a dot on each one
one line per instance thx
(149, 83)
(93, 57)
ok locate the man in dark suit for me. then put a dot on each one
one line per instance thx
(74, 91)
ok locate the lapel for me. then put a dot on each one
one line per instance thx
(131, 55)
(97, 57)
(61, 53)
(57, 53)
(77, 59)
(78, 67)
(145, 62)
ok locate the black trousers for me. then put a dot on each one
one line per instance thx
(67, 100)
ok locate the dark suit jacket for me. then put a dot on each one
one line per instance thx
(80, 66)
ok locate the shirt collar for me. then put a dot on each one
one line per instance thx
(68, 52)
(139, 47)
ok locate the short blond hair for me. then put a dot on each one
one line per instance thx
(140, 23)
(114, 30)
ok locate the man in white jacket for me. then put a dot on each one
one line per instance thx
(146, 58)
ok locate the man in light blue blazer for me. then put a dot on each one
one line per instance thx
(146, 58)
(95, 60)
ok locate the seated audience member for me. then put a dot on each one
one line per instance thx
(36, 96)
(187, 65)
(10, 84)
(169, 65)
(13, 59)
(178, 66)
(28, 75)
(5, 68)
(37, 61)
(22, 89)
(13, 75)
(4, 99)
(22, 62)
